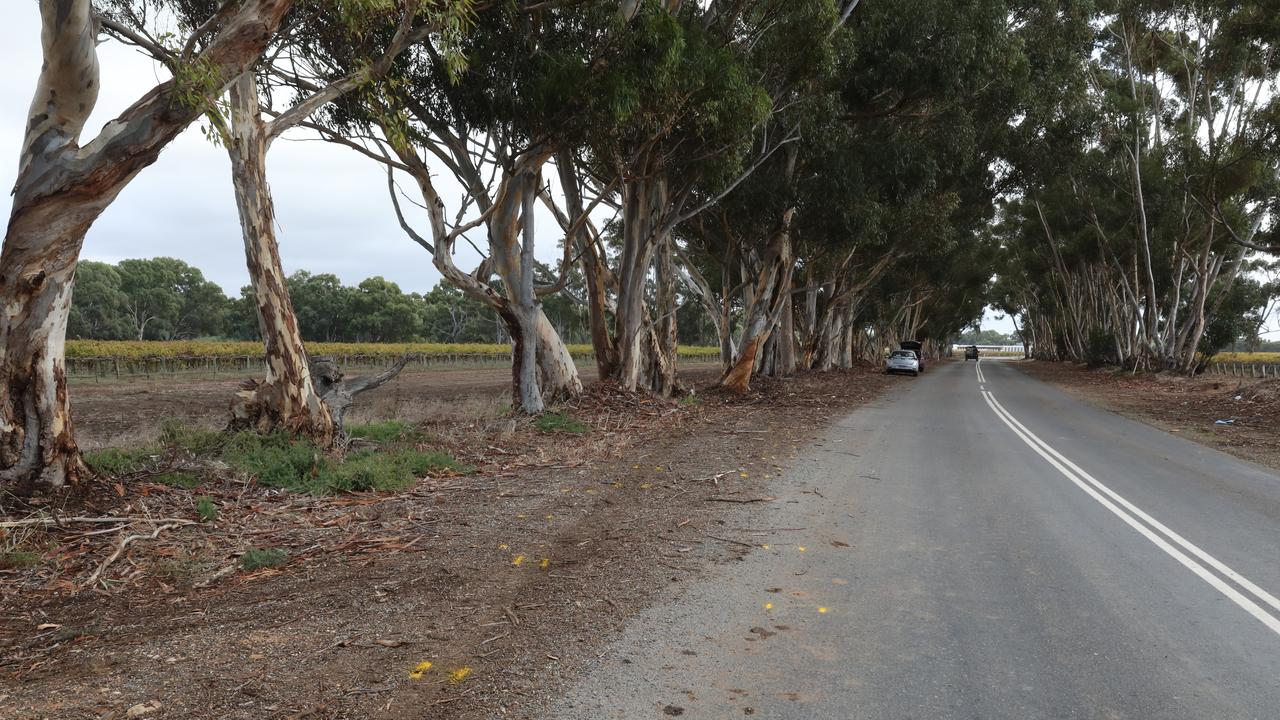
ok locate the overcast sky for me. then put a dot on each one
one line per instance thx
(332, 209)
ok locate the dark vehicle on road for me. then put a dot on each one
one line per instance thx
(971, 352)
(916, 347)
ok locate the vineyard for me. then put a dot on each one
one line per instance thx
(96, 359)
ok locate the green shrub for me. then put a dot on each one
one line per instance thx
(255, 559)
(206, 509)
(559, 423)
(178, 478)
(118, 461)
(275, 460)
(18, 559)
(384, 432)
(197, 441)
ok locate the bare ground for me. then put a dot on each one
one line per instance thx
(1190, 406)
(505, 581)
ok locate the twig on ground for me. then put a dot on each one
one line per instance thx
(125, 543)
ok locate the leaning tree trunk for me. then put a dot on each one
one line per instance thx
(662, 379)
(286, 399)
(594, 271)
(61, 190)
(772, 288)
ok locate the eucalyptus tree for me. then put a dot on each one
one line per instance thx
(1147, 207)
(62, 188)
(373, 32)
(488, 128)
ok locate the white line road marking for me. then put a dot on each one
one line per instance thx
(978, 366)
(1092, 486)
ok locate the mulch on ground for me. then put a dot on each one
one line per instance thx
(1248, 408)
(466, 596)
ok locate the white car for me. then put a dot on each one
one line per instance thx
(902, 361)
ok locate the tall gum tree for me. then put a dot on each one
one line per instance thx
(61, 190)
(287, 398)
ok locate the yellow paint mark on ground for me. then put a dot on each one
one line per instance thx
(459, 675)
(418, 670)
(546, 563)
(768, 606)
(645, 486)
(766, 547)
(801, 548)
(517, 560)
(742, 474)
(822, 611)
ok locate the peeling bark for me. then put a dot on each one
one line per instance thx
(286, 399)
(767, 301)
(61, 190)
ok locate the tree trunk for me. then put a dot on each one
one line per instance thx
(663, 377)
(644, 203)
(594, 271)
(286, 399)
(530, 397)
(772, 288)
(61, 190)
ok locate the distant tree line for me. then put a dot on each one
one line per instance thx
(168, 299)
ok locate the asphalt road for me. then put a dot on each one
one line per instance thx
(978, 545)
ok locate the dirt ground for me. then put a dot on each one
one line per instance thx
(1185, 405)
(128, 413)
(467, 596)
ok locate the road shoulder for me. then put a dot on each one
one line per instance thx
(1188, 407)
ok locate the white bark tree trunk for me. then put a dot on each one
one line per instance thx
(61, 190)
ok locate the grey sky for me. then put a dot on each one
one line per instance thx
(332, 209)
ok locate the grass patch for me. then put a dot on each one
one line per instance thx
(118, 461)
(255, 559)
(197, 441)
(384, 432)
(206, 509)
(559, 423)
(18, 559)
(277, 461)
(178, 478)
(690, 400)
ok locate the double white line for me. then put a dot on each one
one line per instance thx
(1179, 548)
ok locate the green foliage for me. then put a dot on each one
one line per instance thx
(553, 422)
(206, 509)
(280, 461)
(178, 478)
(114, 462)
(256, 559)
(197, 441)
(18, 559)
(383, 432)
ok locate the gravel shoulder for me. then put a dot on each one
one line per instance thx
(463, 597)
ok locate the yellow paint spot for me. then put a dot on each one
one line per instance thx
(591, 491)
(657, 468)
(517, 560)
(546, 563)
(801, 548)
(520, 515)
(742, 474)
(822, 611)
(766, 547)
(645, 486)
(459, 675)
(548, 517)
(503, 546)
(635, 467)
(768, 606)
(419, 669)
(618, 485)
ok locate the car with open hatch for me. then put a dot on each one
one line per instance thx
(902, 361)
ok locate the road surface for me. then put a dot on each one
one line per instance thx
(976, 544)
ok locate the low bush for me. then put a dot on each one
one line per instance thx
(559, 423)
(384, 432)
(18, 559)
(255, 559)
(114, 462)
